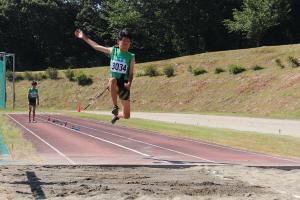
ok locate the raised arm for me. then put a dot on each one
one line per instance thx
(79, 34)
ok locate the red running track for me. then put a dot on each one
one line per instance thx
(98, 143)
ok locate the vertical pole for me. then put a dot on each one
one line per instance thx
(1, 80)
(4, 77)
(14, 80)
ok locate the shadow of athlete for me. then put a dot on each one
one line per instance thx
(121, 71)
(35, 185)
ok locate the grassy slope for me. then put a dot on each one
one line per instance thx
(269, 92)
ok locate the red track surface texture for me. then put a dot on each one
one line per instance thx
(105, 144)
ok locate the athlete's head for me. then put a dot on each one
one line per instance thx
(124, 40)
(34, 84)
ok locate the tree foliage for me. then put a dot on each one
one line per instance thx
(40, 32)
(258, 16)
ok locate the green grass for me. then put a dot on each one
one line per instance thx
(9, 110)
(19, 148)
(265, 143)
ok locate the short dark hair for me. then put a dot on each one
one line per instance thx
(34, 83)
(124, 34)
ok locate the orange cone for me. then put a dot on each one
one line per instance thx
(78, 107)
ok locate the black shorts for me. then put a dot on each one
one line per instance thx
(32, 102)
(124, 93)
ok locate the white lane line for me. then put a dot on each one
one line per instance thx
(98, 138)
(206, 143)
(51, 146)
(178, 152)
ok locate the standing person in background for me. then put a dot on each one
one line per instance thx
(33, 100)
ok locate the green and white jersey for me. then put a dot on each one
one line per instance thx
(120, 63)
(33, 93)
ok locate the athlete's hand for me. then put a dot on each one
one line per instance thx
(79, 34)
(127, 85)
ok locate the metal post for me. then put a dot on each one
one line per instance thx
(5, 55)
(14, 79)
(2, 56)
(4, 74)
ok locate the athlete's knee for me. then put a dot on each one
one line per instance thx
(112, 81)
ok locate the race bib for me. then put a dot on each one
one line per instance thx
(33, 95)
(118, 67)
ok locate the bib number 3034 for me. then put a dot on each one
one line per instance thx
(119, 67)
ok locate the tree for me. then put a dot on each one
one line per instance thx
(91, 20)
(121, 14)
(258, 16)
(40, 32)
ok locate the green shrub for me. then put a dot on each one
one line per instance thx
(236, 69)
(9, 75)
(28, 76)
(199, 71)
(151, 71)
(83, 79)
(293, 62)
(190, 69)
(169, 71)
(43, 75)
(279, 63)
(39, 76)
(19, 77)
(70, 75)
(139, 74)
(52, 73)
(219, 70)
(257, 67)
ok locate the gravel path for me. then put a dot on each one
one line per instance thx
(260, 125)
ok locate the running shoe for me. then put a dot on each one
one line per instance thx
(114, 119)
(115, 111)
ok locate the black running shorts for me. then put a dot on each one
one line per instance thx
(124, 93)
(32, 101)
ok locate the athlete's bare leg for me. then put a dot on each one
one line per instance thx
(125, 109)
(29, 114)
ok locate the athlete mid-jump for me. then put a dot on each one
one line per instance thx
(121, 71)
